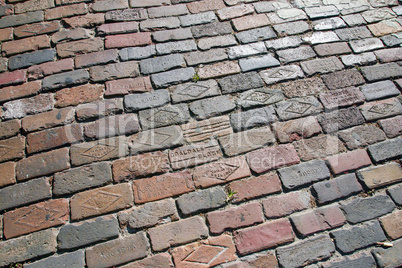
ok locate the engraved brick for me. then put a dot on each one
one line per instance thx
(118, 28)
(175, 47)
(207, 129)
(128, 85)
(133, 14)
(353, 33)
(36, 217)
(65, 79)
(379, 90)
(37, 29)
(12, 78)
(392, 126)
(79, 47)
(392, 224)
(127, 40)
(164, 116)
(321, 66)
(46, 120)
(88, 20)
(282, 73)
(205, 5)
(211, 107)
(381, 175)
(153, 99)
(77, 95)
(194, 91)
(299, 88)
(49, 68)
(349, 161)
(286, 14)
(114, 71)
(253, 118)
(219, 69)
(363, 45)
(7, 171)
(298, 107)
(99, 109)
(361, 136)
(340, 119)
(259, 97)
(100, 201)
(66, 11)
(16, 92)
(26, 44)
(13, 148)
(317, 147)
(250, 22)
(381, 109)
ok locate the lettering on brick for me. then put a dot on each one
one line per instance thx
(202, 130)
(99, 150)
(298, 107)
(100, 200)
(163, 115)
(126, 15)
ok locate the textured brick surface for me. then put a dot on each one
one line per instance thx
(201, 200)
(283, 205)
(348, 161)
(389, 257)
(392, 224)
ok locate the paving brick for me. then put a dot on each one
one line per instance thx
(247, 50)
(99, 109)
(49, 68)
(114, 71)
(389, 257)
(385, 27)
(216, 41)
(206, 108)
(21, 19)
(304, 173)
(149, 214)
(12, 78)
(76, 258)
(286, 15)
(347, 34)
(381, 109)
(285, 42)
(350, 239)
(235, 11)
(340, 119)
(16, 92)
(250, 22)
(9, 128)
(272, 157)
(388, 55)
(158, 260)
(321, 66)
(118, 28)
(246, 141)
(8, 173)
(211, 29)
(176, 233)
(349, 161)
(135, 102)
(240, 82)
(96, 58)
(29, 59)
(256, 260)
(6, 34)
(382, 71)
(33, 245)
(79, 47)
(169, 78)
(164, 116)
(354, 20)
(376, 3)
(128, 85)
(317, 147)
(263, 236)
(253, 118)
(320, 37)
(159, 187)
(112, 126)
(205, 5)
(88, 20)
(36, 29)
(306, 252)
(264, 7)
(54, 118)
(321, 11)
(363, 45)
(77, 95)
(155, 139)
(87, 232)
(392, 126)
(107, 5)
(298, 107)
(161, 64)
(260, 62)
(194, 91)
(355, 260)
(348, 8)
(25, 193)
(332, 49)
(385, 150)
(379, 90)
(329, 23)
(200, 201)
(255, 35)
(127, 40)
(167, 11)
(71, 35)
(137, 53)
(66, 11)
(282, 73)
(13, 148)
(161, 23)
(133, 14)
(392, 224)
(259, 97)
(361, 136)
(207, 129)
(296, 129)
(88, 152)
(295, 54)
(36, 217)
(291, 28)
(72, 78)
(171, 35)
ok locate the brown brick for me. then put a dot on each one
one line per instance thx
(385, 27)
(98, 109)
(66, 11)
(9, 128)
(118, 28)
(77, 95)
(33, 5)
(11, 78)
(37, 29)
(219, 69)
(341, 97)
(26, 44)
(208, 253)
(128, 40)
(158, 260)
(110, 126)
(96, 58)
(79, 47)
(24, 90)
(13, 148)
(205, 5)
(392, 224)
(6, 34)
(67, 2)
(317, 147)
(206, 129)
(332, 49)
(43, 164)
(36, 217)
(159, 187)
(101, 200)
(285, 204)
(140, 165)
(249, 22)
(46, 120)
(260, 260)
(55, 137)
(255, 187)
(88, 20)
(7, 171)
(48, 68)
(128, 85)
(297, 129)
(379, 176)
(342, 79)
(349, 161)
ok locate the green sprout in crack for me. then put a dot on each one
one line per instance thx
(196, 78)
(230, 195)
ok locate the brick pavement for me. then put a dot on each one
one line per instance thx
(200, 133)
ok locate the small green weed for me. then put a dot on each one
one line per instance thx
(196, 78)
(230, 195)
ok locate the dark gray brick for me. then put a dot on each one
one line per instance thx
(161, 64)
(298, 107)
(87, 232)
(386, 150)
(336, 188)
(342, 79)
(255, 35)
(353, 33)
(306, 251)
(392, 40)
(172, 35)
(361, 136)
(169, 78)
(382, 71)
(350, 239)
(6, 10)
(296, 54)
(164, 116)
(396, 194)
(136, 102)
(21, 19)
(360, 260)
(74, 259)
(240, 82)
(213, 106)
(24, 193)
(194, 91)
(363, 209)
(212, 29)
(379, 90)
(76, 179)
(29, 59)
(65, 79)
(137, 53)
(253, 118)
(202, 200)
(389, 257)
(340, 119)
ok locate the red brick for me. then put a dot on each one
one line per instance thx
(88, 20)
(255, 187)
(321, 219)
(24, 90)
(392, 224)
(263, 236)
(37, 29)
(96, 58)
(158, 260)
(46, 120)
(205, 5)
(234, 218)
(127, 40)
(77, 95)
(206, 253)
(273, 157)
(22, 107)
(26, 44)
(11, 78)
(221, 172)
(66, 11)
(33, 5)
(119, 27)
(249, 22)
(129, 85)
(43, 164)
(140, 165)
(349, 161)
(285, 204)
(7, 171)
(6, 34)
(55, 137)
(159, 187)
(79, 47)
(9, 128)
(13, 148)
(101, 200)
(48, 68)
(36, 217)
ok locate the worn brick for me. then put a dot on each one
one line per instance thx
(362, 259)
(16, 92)
(161, 64)
(285, 42)
(321, 66)
(12, 78)
(260, 97)
(296, 129)
(6, 34)
(21, 19)
(253, 118)
(291, 28)
(46, 120)
(211, 107)
(164, 116)
(7, 171)
(340, 119)
(361, 136)
(82, 178)
(216, 41)
(392, 224)
(207, 129)
(250, 22)
(71, 35)
(132, 14)
(329, 23)
(148, 3)
(299, 88)
(381, 175)
(255, 35)
(199, 18)
(9, 128)
(388, 55)
(317, 147)
(29, 59)
(112, 126)
(23, 107)
(114, 71)
(13, 148)
(175, 47)
(49, 68)
(295, 54)
(128, 85)
(57, 81)
(202, 200)
(321, 37)
(79, 47)
(135, 102)
(258, 63)
(173, 77)
(298, 107)
(106, 5)
(45, 215)
(76, 258)
(286, 15)
(37, 29)
(26, 44)
(167, 11)
(77, 95)
(117, 28)
(379, 90)
(127, 40)
(389, 257)
(385, 150)
(363, 45)
(96, 58)
(392, 126)
(381, 109)
(240, 82)
(137, 53)
(33, 5)
(88, 20)
(66, 11)
(158, 260)
(349, 161)
(205, 5)
(382, 71)
(194, 91)
(159, 24)
(235, 11)
(385, 27)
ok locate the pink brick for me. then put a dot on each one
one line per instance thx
(128, 40)
(129, 85)
(44, 69)
(101, 57)
(119, 27)
(249, 22)
(318, 220)
(6, 34)
(273, 157)
(392, 224)
(392, 126)
(349, 161)
(12, 78)
(234, 218)
(205, 5)
(285, 204)
(263, 236)
(26, 44)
